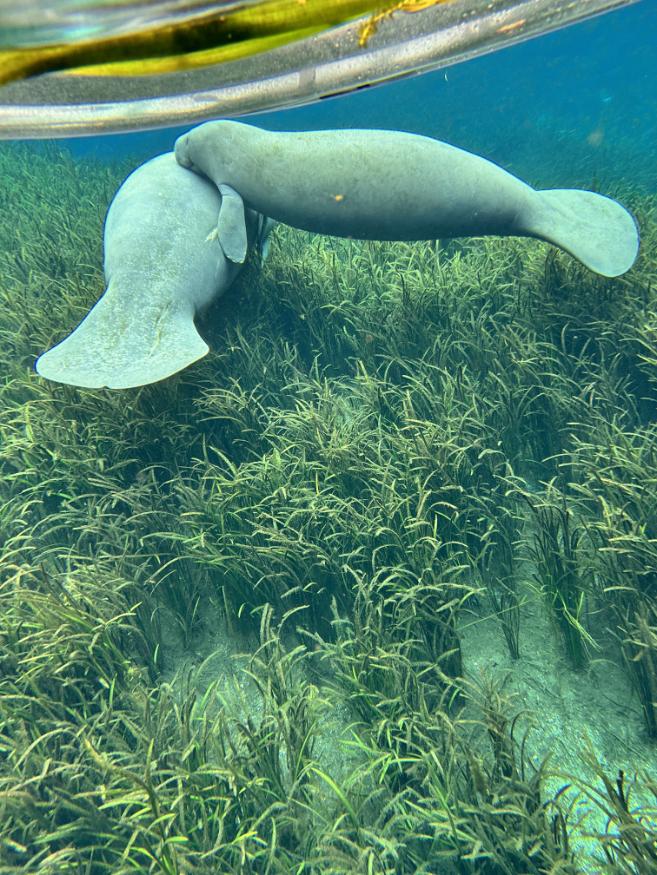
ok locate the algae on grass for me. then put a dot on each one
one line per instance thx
(253, 619)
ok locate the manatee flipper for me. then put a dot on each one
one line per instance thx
(595, 229)
(125, 342)
(265, 227)
(231, 225)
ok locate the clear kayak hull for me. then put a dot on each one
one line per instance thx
(413, 37)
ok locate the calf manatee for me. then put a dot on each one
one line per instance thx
(389, 185)
(163, 263)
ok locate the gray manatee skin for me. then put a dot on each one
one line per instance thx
(391, 185)
(162, 265)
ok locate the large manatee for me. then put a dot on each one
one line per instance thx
(390, 185)
(163, 263)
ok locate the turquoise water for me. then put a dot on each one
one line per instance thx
(371, 585)
(586, 92)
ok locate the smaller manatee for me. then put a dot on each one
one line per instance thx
(391, 185)
(164, 262)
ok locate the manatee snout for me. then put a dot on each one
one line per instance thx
(181, 149)
(203, 141)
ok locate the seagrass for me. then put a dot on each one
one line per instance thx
(382, 442)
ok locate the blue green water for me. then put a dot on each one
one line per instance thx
(580, 102)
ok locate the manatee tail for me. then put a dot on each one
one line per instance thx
(121, 344)
(595, 229)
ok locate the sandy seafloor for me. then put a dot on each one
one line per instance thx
(565, 712)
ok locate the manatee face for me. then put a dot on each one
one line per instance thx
(208, 138)
(181, 151)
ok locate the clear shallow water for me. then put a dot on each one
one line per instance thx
(281, 612)
(588, 90)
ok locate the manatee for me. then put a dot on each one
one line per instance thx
(163, 263)
(390, 185)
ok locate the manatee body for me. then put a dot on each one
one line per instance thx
(389, 185)
(163, 263)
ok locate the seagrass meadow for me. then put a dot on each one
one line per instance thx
(370, 589)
